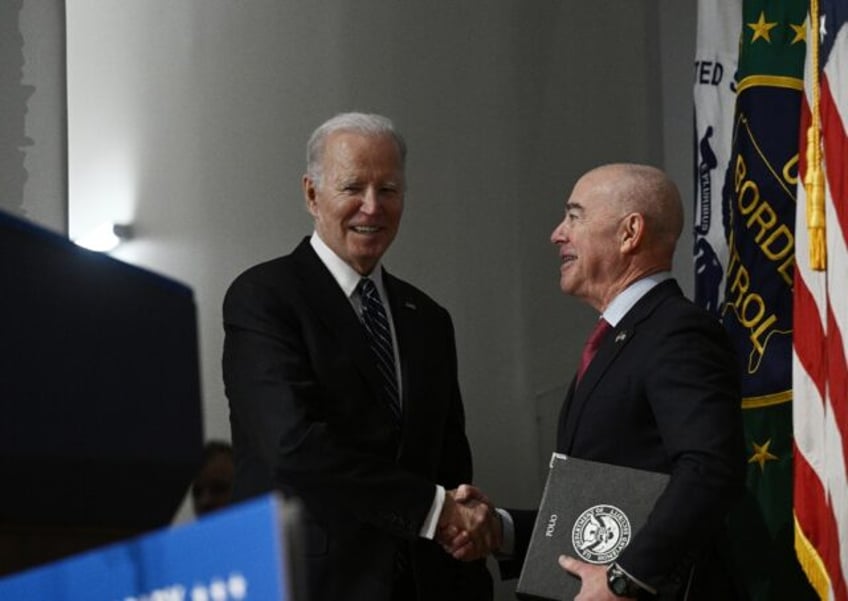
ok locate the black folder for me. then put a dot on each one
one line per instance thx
(590, 511)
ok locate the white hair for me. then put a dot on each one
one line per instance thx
(361, 123)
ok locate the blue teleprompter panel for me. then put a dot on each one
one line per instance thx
(234, 554)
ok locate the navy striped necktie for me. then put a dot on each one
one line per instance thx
(377, 324)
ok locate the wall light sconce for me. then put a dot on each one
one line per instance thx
(105, 237)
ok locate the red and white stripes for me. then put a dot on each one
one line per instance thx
(820, 372)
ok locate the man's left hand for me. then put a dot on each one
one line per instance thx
(594, 578)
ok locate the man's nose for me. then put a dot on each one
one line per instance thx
(370, 202)
(557, 236)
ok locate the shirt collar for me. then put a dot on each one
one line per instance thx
(628, 297)
(346, 276)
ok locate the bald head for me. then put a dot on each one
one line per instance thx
(622, 223)
(646, 190)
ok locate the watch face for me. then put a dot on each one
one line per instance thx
(618, 584)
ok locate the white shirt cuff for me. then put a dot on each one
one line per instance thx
(428, 528)
(507, 549)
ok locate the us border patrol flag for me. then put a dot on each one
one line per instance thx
(744, 264)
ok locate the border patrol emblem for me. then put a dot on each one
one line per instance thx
(600, 533)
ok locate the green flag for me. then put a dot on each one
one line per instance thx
(748, 283)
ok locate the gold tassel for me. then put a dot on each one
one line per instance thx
(814, 185)
(814, 180)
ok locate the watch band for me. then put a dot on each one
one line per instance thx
(620, 583)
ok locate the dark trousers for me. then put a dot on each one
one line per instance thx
(403, 587)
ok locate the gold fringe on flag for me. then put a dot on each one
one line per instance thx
(811, 562)
(814, 180)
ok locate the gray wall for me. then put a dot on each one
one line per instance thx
(188, 118)
(33, 144)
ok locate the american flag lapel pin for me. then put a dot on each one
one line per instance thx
(621, 336)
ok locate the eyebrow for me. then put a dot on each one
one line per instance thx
(357, 181)
(573, 206)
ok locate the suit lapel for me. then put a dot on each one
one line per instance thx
(404, 313)
(333, 309)
(611, 347)
(579, 394)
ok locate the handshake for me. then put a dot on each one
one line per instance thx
(469, 527)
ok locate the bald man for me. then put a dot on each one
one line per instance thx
(661, 394)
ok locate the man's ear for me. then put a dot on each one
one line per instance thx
(310, 193)
(632, 231)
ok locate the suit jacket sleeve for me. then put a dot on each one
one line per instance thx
(691, 385)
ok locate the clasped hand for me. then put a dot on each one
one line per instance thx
(469, 527)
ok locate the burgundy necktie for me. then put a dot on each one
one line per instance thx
(592, 344)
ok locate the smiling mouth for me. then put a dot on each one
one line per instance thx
(566, 259)
(365, 229)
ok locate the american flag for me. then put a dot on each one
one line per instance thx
(820, 373)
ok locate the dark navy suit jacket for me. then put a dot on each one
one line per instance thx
(309, 418)
(663, 394)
